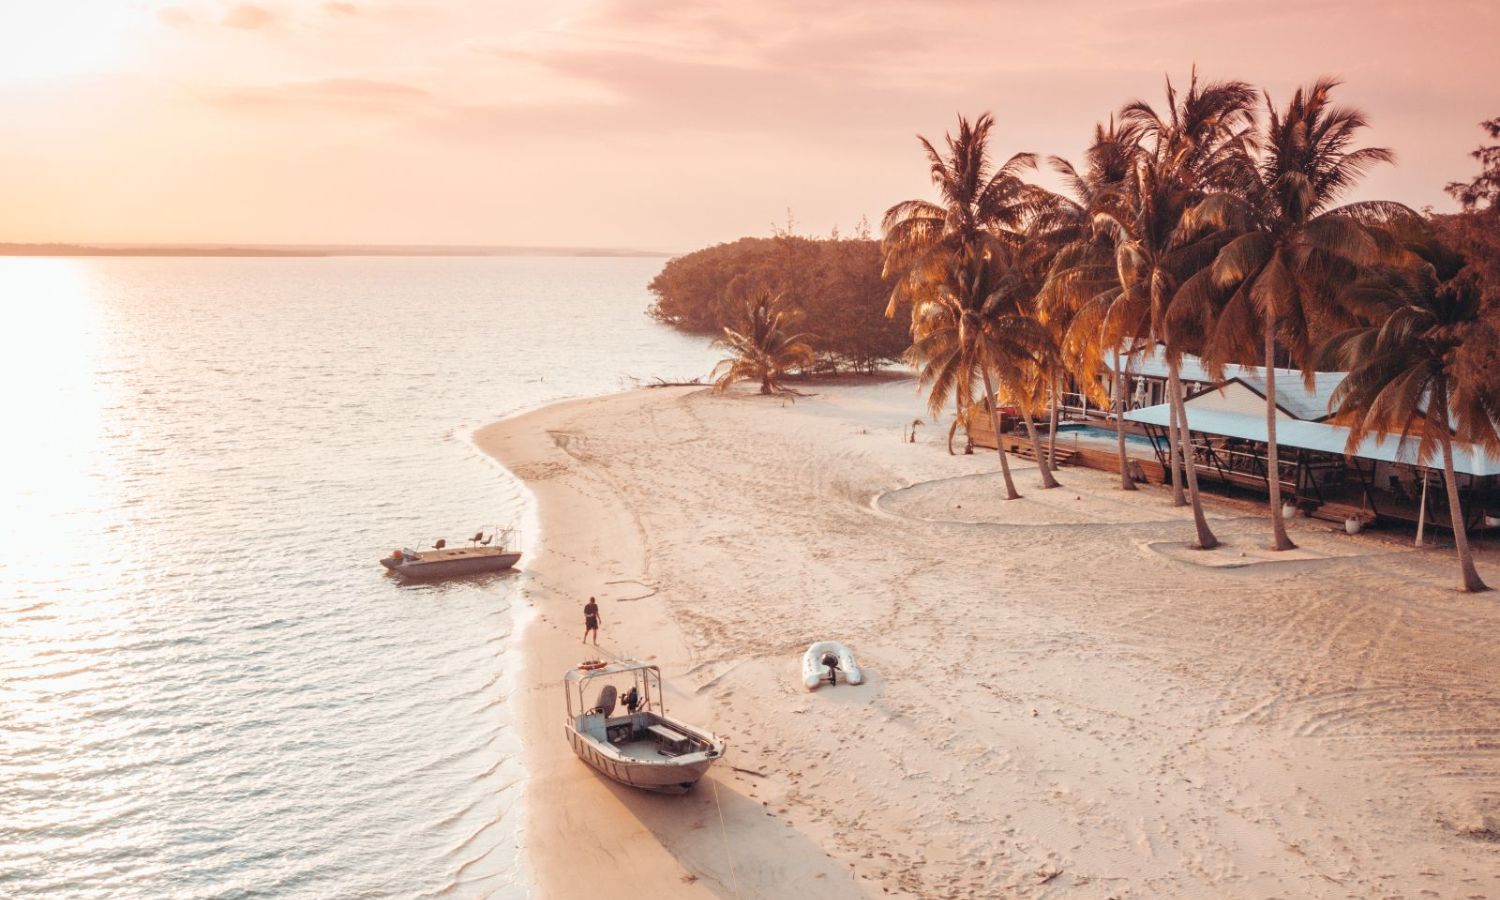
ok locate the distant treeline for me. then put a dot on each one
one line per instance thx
(836, 283)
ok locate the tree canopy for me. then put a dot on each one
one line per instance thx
(837, 284)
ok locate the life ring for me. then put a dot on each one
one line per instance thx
(590, 665)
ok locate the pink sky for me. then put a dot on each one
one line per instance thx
(659, 124)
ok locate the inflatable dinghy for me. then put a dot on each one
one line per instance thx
(814, 670)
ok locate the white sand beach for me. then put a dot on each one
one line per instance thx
(1061, 699)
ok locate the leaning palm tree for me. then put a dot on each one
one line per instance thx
(964, 328)
(1082, 285)
(941, 354)
(1293, 246)
(1415, 372)
(1015, 274)
(1108, 322)
(765, 347)
(978, 203)
(1196, 146)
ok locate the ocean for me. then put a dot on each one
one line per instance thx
(208, 685)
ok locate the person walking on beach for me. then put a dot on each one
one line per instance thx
(591, 621)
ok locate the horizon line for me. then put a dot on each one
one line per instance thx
(210, 249)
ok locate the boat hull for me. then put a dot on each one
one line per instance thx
(675, 776)
(452, 566)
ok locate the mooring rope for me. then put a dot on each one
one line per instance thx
(734, 878)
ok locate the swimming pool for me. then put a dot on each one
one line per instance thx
(1094, 432)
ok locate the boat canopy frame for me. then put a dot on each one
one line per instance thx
(645, 678)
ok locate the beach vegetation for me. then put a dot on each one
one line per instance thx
(1269, 290)
(1413, 369)
(939, 254)
(1081, 295)
(1197, 144)
(1215, 226)
(765, 347)
(836, 283)
(966, 328)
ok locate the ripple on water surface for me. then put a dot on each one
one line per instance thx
(207, 686)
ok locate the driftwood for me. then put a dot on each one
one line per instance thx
(750, 772)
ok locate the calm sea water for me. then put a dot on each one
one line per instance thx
(208, 687)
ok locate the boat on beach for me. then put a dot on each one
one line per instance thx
(824, 659)
(443, 561)
(641, 745)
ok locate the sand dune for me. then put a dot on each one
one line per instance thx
(1060, 701)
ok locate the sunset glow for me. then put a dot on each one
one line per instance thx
(43, 41)
(636, 122)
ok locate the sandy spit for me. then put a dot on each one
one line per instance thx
(1062, 701)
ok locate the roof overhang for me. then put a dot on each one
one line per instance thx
(1321, 437)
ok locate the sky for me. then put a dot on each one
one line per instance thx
(645, 124)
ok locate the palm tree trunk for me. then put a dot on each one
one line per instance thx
(1206, 538)
(1472, 582)
(1052, 436)
(1280, 541)
(1174, 439)
(994, 404)
(1041, 460)
(958, 418)
(1126, 482)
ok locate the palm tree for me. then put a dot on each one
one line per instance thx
(1082, 285)
(767, 345)
(1107, 320)
(942, 355)
(1293, 245)
(1018, 276)
(965, 328)
(1415, 370)
(977, 200)
(980, 205)
(1197, 146)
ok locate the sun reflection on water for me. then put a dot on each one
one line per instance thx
(206, 683)
(50, 467)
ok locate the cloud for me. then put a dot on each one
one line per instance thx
(175, 16)
(248, 16)
(340, 9)
(360, 95)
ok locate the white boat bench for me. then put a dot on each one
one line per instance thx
(674, 738)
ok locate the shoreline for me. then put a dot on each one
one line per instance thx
(564, 799)
(1042, 718)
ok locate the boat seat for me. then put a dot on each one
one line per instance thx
(606, 702)
(593, 725)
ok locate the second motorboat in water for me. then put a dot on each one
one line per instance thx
(443, 561)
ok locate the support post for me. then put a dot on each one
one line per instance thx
(1422, 513)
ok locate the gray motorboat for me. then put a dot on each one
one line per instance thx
(446, 562)
(640, 745)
